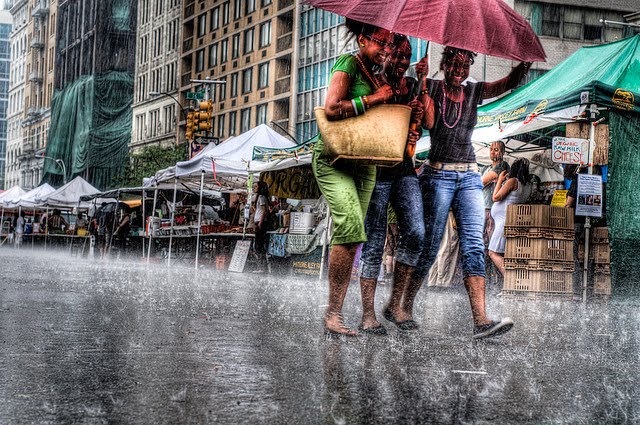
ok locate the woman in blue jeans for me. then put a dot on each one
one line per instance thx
(399, 186)
(450, 178)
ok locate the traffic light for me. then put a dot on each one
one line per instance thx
(190, 128)
(205, 116)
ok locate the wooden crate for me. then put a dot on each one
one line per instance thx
(539, 232)
(601, 253)
(525, 215)
(538, 281)
(602, 284)
(545, 265)
(539, 249)
(599, 235)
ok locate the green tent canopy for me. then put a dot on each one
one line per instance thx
(607, 75)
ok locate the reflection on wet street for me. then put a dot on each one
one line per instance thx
(116, 342)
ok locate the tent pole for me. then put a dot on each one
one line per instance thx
(113, 224)
(327, 223)
(199, 218)
(2, 222)
(587, 219)
(143, 221)
(246, 219)
(46, 228)
(33, 230)
(149, 228)
(173, 212)
(23, 226)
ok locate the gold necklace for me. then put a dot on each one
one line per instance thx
(366, 73)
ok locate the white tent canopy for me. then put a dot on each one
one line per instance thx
(68, 196)
(11, 195)
(28, 200)
(231, 158)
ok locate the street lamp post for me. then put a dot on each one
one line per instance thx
(163, 93)
(60, 164)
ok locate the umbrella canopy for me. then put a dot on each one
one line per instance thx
(485, 26)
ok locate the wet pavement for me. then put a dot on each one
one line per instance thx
(116, 342)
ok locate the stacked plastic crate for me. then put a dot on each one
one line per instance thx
(539, 250)
(602, 260)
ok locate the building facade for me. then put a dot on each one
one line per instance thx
(249, 45)
(17, 77)
(5, 64)
(156, 111)
(38, 89)
(94, 68)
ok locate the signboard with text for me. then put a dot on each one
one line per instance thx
(565, 150)
(589, 202)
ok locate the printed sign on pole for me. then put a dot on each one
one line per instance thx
(589, 202)
(565, 150)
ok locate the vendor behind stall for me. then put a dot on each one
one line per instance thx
(55, 224)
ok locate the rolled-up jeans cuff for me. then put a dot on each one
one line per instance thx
(370, 271)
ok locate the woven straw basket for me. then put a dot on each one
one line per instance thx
(377, 137)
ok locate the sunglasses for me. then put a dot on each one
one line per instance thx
(380, 43)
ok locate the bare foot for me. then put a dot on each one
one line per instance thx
(334, 325)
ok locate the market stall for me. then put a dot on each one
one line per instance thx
(6, 198)
(223, 167)
(597, 86)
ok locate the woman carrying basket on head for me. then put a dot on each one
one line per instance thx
(348, 187)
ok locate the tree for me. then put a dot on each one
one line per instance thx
(146, 162)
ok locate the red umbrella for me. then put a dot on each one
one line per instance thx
(485, 26)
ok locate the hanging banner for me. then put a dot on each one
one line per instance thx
(294, 182)
(589, 202)
(566, 150)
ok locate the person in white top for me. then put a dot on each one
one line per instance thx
(512, 188)
(19, 229)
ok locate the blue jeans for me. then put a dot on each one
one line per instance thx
(404, 194)
(461, 192)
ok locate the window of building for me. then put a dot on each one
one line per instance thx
(237, 9)
(213, 55)
(251, 7)
(215, 19)
(233, 119)
(263, 75)
(154, 122)
(264, 3)
(247, 78)
(261, 114)
(202, 25)
(200, 60)
(233, 90)
(169, 118)
(235, 46)
(159, 7)
(225, 13)
(248, 41)
(222, 90)
(245, 120)
(265, 34)
(221, 125)
(224, 48)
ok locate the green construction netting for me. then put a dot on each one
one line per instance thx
(91, 129)
(623, 196)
